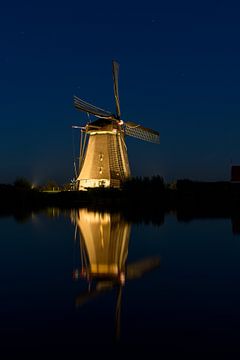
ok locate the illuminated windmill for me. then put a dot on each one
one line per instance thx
(103, 153)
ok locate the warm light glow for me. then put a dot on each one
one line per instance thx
(105, 238)
(93, 183)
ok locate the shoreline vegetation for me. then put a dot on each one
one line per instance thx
(139, 199)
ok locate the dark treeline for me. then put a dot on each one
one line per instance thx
(150, 189)
(139, 199)
(154, 184)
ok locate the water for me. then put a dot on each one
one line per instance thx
(83, 282)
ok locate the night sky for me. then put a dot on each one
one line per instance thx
(179, 74)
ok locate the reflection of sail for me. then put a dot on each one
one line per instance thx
(104, 240)
(139, 268)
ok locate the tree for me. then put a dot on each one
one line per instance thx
(22, 183)
(51, 185)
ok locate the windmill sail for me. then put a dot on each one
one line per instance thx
(142, 133)
(115, 87)
(86, 107)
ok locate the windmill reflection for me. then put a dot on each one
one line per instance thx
(103, 241)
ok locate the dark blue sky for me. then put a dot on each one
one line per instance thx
(179, 74)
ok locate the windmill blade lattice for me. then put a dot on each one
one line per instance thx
(89, 108)
(142, 133)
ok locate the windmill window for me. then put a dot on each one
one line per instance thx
(101, 157)
(100, 170)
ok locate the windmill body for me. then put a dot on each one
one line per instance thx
(105, 161)
(103, 154)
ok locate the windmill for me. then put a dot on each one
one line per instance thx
(103, 160)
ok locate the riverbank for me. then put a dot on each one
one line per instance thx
(145, 201)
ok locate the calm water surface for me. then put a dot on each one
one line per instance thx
(82, 281)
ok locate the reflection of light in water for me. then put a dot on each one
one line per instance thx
(104, 240)
(51, 212)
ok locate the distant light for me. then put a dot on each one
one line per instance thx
(77, 127)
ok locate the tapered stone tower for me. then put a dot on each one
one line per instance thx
(105, 162)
